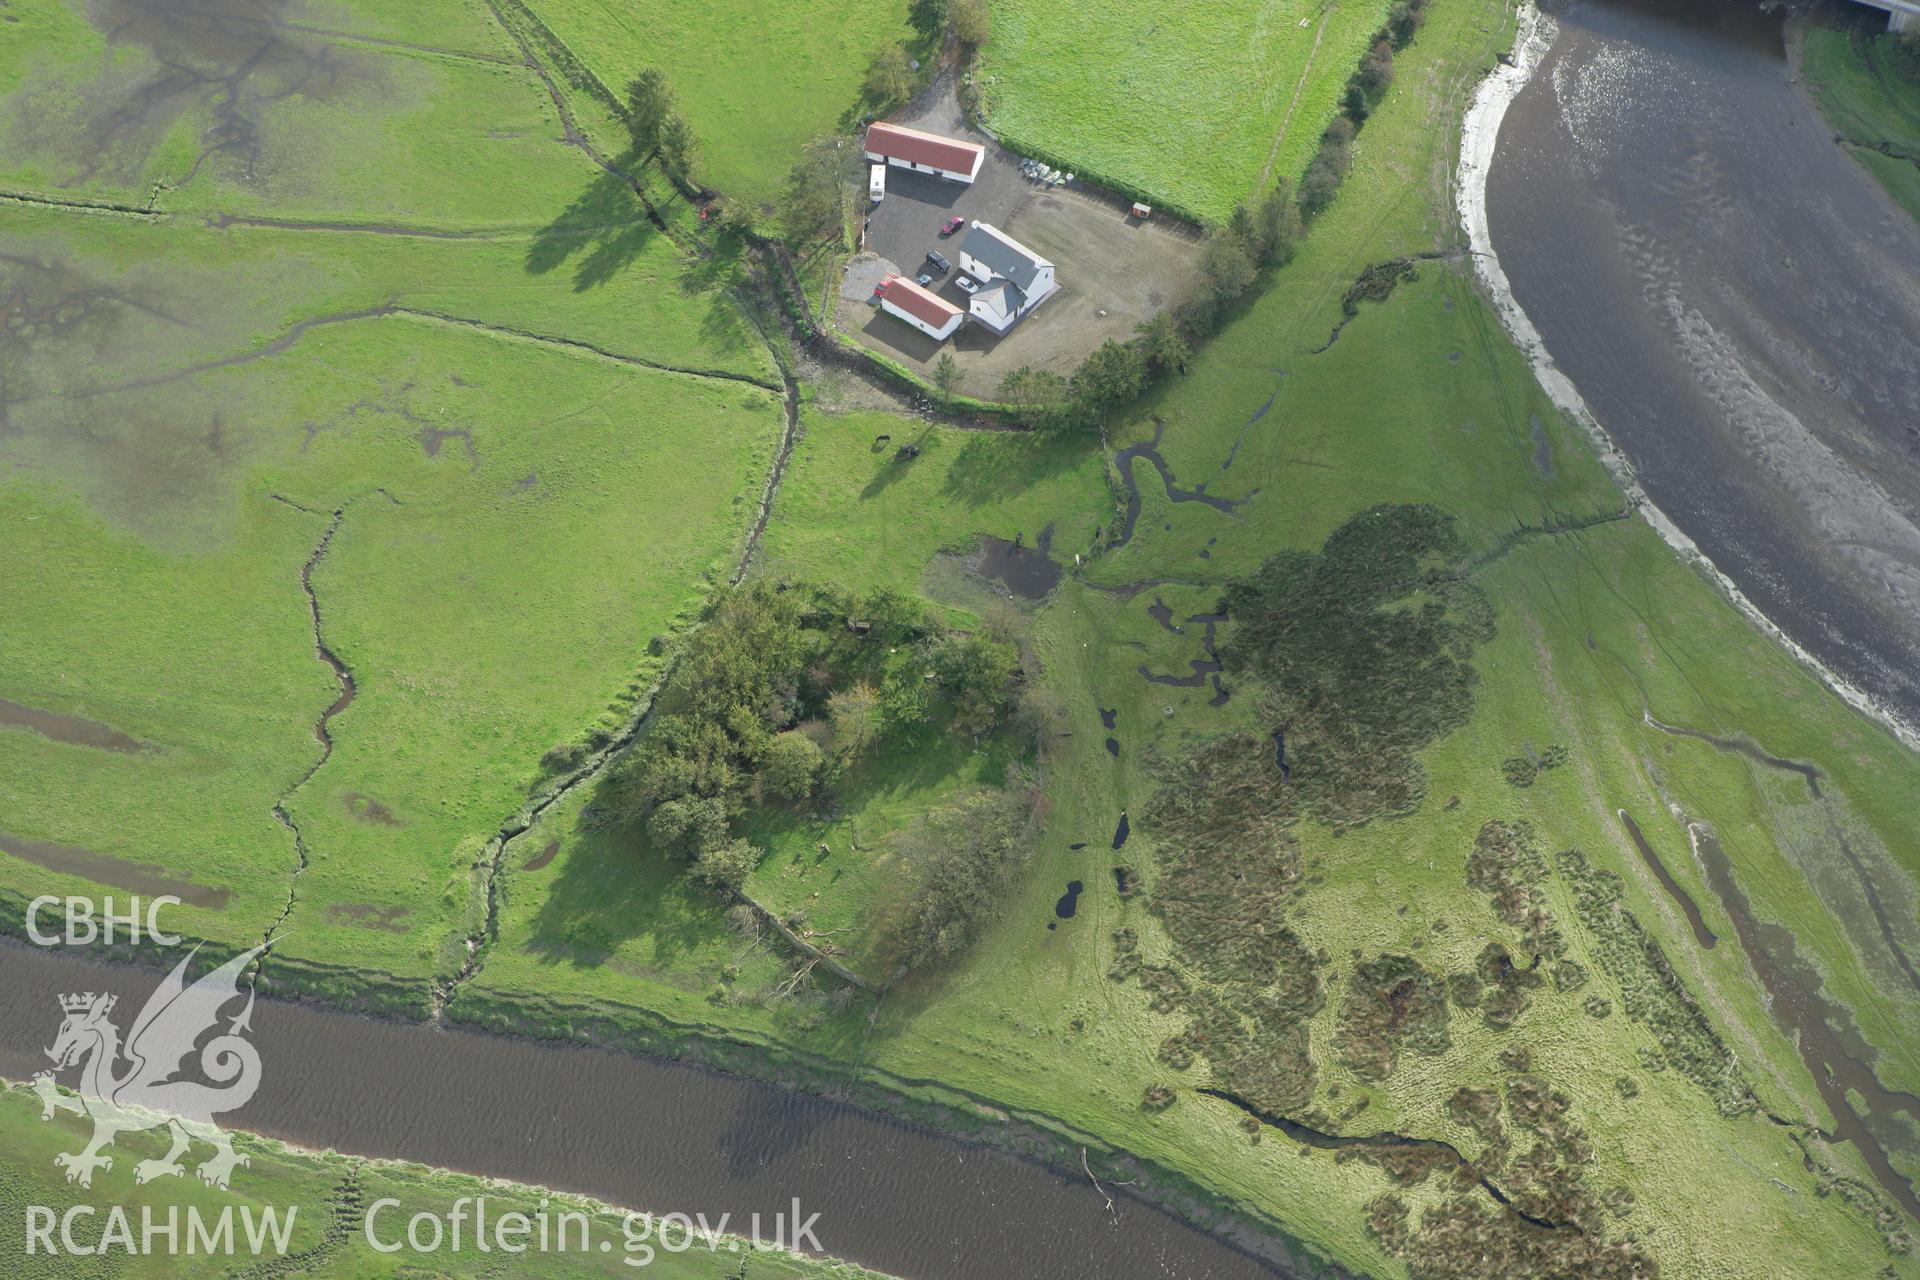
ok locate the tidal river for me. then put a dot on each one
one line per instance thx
(653, 1135)
(1738, 303)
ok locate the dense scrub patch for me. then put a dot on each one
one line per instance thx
(1503, 986)
(959, 859)
(1652, 991)
(1225, 908)
(1506, 865)
(1391, 1003)
(1363, 654)
(1478, 1110)
(1229, 871)
(1523, 769)
(1377, 283)
(1360, 656)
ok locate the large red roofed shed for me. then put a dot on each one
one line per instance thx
(927, 152)
(926, 310)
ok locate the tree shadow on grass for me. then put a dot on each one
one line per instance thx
(605, 229)
(609, 888)
(992, 467)
(718, 267)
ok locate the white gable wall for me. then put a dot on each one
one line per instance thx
(936, 332)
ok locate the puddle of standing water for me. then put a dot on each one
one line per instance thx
(74, 729)
(117, 873)
(1028, 572)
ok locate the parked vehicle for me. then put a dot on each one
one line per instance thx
(940, 265)
(966, 285)
(924, 279)
(952, 225)
(877, 183)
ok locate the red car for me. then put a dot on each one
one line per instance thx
(952, 225)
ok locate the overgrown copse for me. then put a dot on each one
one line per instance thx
(821, 190)
(785, 691)
(960, 859)
(889, 79)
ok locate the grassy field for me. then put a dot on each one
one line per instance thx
(1194, 107)
(329, 1196)
(849, 514)
(1869, 88)
(782, 75)
(851, 517)
(544, 429)
(540, 434)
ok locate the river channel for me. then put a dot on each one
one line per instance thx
(1738, 303)
(654, 1135)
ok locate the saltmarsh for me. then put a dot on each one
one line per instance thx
(1596, 625)
(503, 446)
(1868, 86)
(520, 516)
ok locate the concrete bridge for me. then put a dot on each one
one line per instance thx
(1902, 15)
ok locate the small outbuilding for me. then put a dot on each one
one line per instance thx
(905, 148)
(924, 310)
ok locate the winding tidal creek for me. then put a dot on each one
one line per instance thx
(1737, 302)
(654, 1135)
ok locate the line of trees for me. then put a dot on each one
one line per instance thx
(964, 20)
(1255, 237)
(1364, 90)
(824, 189)
(654, 123)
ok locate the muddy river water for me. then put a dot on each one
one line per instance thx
(1738, 303)
(653, 1135)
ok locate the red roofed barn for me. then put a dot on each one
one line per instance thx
(924, 152)
(927, 312)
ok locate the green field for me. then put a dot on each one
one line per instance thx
(519, 437)
(1869, 87)
(756, 79)
(498, 415)
(329, 1196)
(1194, 107)
(848, 516)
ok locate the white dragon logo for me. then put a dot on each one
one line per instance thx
(165, 1033)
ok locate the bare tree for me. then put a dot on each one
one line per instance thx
(946, 375)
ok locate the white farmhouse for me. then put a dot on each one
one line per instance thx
(924, 310)
(1013, 278)
(905, 148)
